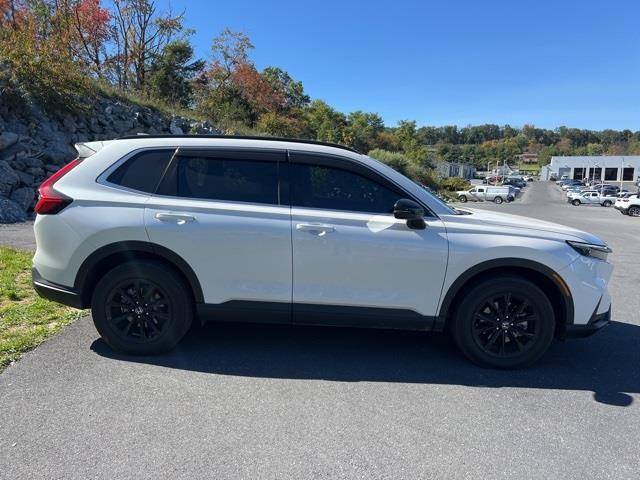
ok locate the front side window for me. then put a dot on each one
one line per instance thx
(142, 171)
(223, 179)
(331, 188)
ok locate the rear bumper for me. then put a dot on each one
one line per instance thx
(596, 323)
(54, 292)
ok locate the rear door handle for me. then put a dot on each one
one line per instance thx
(177, 218)
(319, 229)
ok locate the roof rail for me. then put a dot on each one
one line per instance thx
(243, 137)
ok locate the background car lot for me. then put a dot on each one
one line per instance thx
(261, 401)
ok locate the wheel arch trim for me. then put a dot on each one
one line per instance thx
(133, 248)
(503, 264)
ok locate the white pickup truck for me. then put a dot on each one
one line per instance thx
(592, 197)
(486, 193)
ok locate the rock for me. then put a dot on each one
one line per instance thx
(24, 197)
(10, 211)
(25, 178)
(175, 129)
(32, 162)
(8, 179)
(69, 124)
(35, 171)
(7, 139)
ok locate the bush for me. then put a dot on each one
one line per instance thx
(454, 184)
(52, 80)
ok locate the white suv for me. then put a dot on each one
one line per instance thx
(629, 204)
(153, 231)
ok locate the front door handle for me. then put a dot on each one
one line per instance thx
(177, 218)
(319, 229)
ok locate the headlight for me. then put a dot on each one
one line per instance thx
(590, 249)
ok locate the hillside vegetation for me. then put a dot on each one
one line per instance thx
(62, 55)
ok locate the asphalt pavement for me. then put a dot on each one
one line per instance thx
(250, 401)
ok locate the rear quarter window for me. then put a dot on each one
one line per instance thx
(142, 172)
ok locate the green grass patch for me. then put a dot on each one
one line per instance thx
(26, 320)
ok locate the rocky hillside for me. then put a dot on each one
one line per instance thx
(33, 144)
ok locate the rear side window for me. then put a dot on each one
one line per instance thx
(336, 189)
(233, 180)
(143, 171)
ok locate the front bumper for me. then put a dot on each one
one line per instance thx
(54, 292)
(596, 323)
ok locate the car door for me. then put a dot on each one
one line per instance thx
(479, 193)
(353, 262)
(220, 210)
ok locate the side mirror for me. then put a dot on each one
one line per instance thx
(413, 213)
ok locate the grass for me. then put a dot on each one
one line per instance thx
(26, 320)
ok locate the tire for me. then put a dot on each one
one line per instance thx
(142, 308)
(606, 203)
(462, 198)
(634, 211)
(512, 343)
(498, 200)
(576, 203)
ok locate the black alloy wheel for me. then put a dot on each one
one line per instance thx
(139, 310)
(634, 211)
(142, 307)
(503, 321)
(505, 325)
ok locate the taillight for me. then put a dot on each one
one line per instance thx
(51, 202)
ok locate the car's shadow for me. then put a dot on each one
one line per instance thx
(607, 364)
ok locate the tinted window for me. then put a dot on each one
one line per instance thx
(334, 189)
(142, 171)
(227, 180)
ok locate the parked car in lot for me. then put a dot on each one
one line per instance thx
(515, 181)
(571, 183)
(591, 197)
(492, 180)
(481, 193)
(153, 232)
(629, 204)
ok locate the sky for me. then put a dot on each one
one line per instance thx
(543, 62)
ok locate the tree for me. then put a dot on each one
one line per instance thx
(172, 72)
(141, 33)
(293, 91)
(362, 130)
(325, 123)
(91, 24)
(230, 49)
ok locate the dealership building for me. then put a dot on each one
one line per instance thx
(614, 168)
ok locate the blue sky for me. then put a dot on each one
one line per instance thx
(550, 63)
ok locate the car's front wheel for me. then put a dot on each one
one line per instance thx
(504, 322)
(142, 308)
(575, 202)
(462, 198)
(634, 211)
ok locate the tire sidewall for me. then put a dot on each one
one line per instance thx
(498, 200)
(463, 321)
(177, 294)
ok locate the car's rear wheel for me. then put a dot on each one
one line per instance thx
(498, 200)
(634, 211)
(575, 202)
(606, 203)
(504, 322)
(142, 308)
(462, 198)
